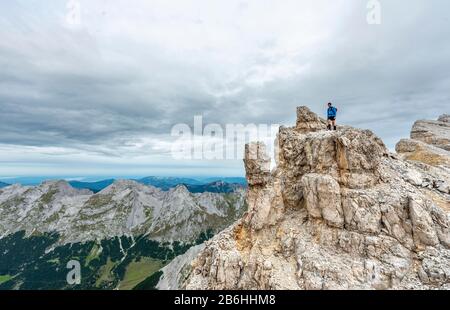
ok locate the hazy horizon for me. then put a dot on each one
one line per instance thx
(35, 180)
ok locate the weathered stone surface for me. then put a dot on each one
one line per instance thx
(420, 151)
(338, 212)
(444, 118)
(322, 197)
(436, 133)
(308, 121)
(428, 151)
(175, 273)
(257, 164)
(422, 225)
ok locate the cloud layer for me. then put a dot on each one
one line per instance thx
(101, 97)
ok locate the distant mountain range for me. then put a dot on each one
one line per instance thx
(237, 180)
(120, 235)
(166, 183)
(92, 186)
(125, 207)
(213, 185)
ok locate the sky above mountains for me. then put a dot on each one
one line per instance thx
(94, 88)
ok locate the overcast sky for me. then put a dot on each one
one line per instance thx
(99, 97)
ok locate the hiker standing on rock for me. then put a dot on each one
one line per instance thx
(331, 116)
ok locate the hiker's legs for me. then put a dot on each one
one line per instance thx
(331, 124)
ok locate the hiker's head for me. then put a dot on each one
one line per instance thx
(329, 104)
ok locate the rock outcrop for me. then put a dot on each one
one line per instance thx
(436, 133)
(338, 212)
(429, 143)
(175, 273)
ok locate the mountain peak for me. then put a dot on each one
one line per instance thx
(55, 183)
(347, 215)
(120, 185)
(61, 187)
(180, 189)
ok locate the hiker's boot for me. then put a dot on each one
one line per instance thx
(335, 128)
(329, 127)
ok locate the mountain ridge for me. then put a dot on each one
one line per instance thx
(121, 234)
(3, 184)
(125, 207)
(164, 183)
(339, 211)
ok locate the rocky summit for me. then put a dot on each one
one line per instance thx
(339, 211)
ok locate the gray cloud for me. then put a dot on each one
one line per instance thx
(128, 74)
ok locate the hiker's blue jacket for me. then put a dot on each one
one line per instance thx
(332, 111)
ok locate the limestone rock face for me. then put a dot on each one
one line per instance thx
(416, 150)
(338, 212)
(308, 121)
(257, 164)
(429, 150)
(176, 270)
(436, 133)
